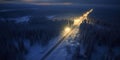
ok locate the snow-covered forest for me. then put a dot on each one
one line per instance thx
(28, 32)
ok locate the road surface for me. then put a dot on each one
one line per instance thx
(66, 34)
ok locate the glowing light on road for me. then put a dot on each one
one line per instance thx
(67, 29)
(76, 21)
(79, 20)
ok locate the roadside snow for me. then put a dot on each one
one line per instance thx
(66, 49)
(36, 51)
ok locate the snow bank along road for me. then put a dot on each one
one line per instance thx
(67, 33)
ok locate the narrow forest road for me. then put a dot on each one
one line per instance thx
(65, 36)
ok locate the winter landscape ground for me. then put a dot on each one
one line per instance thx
(28, 32)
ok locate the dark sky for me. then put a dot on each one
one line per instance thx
(109, 2)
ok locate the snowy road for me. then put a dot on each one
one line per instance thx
(50, 54)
